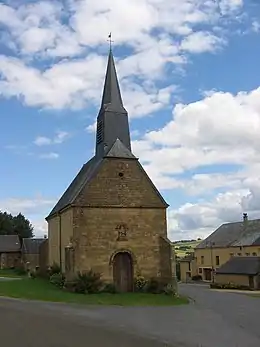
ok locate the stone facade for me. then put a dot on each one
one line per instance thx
(10, 260)
(119, 211)
(252, 282)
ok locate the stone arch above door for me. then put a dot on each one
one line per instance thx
(122, 250)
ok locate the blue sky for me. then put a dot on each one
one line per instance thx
(190, 82)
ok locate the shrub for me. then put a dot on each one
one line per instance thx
(57, 279)
(229, 286)
(109, 288)
(196, 278)
(169, 289)
(88, 282)
(54, 269)
(139, 284)
(153, 286)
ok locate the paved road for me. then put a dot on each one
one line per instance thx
(214, 319)
(30, 324)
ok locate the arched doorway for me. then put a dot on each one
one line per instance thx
(123, 272)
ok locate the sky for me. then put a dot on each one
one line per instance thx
(190, 80)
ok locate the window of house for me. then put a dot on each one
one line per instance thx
(217, 259)
(239, 254)
(231, 254)
(247, 254)
(189, 267)
(202, 259)
(254, 254)
(200, 270)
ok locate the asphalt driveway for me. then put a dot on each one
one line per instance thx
(213, 319)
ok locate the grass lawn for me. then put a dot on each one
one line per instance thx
(8, 273)
(39, 289)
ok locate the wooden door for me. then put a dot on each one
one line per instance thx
(251, 282)
(123, 272)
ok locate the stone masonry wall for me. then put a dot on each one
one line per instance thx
(120, 183)
(96, 238)
(65, 222)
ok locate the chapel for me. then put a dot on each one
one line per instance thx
(112, 218)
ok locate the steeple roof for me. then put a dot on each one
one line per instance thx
(111, 93)
(112, 121)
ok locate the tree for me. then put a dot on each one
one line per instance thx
(11, 225)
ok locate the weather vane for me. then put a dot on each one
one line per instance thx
(110, 41)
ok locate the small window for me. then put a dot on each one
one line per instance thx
(240, 248)
(217, 259)
(231, 254)
(254, 254)
(200, 270)
(247, 254)
(239, 254)
(202, 259)
(189, 266)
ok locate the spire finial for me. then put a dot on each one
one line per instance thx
(110, 41)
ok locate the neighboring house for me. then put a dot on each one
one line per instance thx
(188, 267)
(240, 239)
(10, 251)
(244, 271)
(31, 252)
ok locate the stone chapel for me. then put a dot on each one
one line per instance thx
(111, 215)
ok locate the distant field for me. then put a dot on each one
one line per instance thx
(185, 247)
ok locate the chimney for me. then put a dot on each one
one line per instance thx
(245, 217)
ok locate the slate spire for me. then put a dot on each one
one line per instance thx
(112, 121)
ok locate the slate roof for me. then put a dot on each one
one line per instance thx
(240, 266)
(31, 245)
(119, 150)
(9, 243)
(234, 234)
(86, 173)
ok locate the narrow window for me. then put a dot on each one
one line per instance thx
(217, 259)
(202, 259)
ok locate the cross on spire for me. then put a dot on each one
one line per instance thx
(110, 41)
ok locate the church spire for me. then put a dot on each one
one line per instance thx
(112, 121)
(111, 92)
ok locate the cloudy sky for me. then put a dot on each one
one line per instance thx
(189, 73)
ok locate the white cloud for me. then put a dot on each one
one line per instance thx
(34, 208)
(42, 141)
(62, 29)
(200, 41)
(218, 134)
(51, 155)
(59, 137)
(256, 26)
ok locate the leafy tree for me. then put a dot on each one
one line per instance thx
(11, 225)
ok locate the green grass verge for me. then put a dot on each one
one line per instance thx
(9, 273)
(39, 289)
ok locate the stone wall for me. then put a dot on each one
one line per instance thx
(96, 238)
(59, 223)
(10, 260)
(44, 256)
(242, 280)
(120, 183)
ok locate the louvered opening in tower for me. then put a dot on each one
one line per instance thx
(99, 131)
